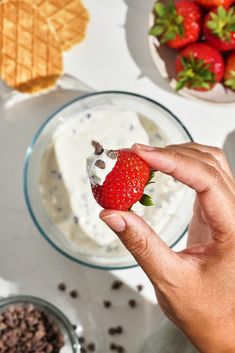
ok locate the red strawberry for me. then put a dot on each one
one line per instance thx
(124, 184)
(219, 28)
(176, 24)
(229, 75)
(199, 67)
(210, 4)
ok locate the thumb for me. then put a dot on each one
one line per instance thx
(152, 254)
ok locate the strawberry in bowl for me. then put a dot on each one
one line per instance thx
(118, 178)
(229, 75)
(199, 67)
(176, 24)
(219, 28)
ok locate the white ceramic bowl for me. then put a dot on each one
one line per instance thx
(167, 121)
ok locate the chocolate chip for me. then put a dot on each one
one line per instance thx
(75, 219)
(140, 287)
(112, 154)
(81, 340)
(91, 347)
(120, 349)
(98, 148)
(113, 346)
(83, 350)
(119, 329)
(132, 303)
(107, 303)
(111, 331)
(100, 164)
(117, 285)
(62, 287)
(73, 293)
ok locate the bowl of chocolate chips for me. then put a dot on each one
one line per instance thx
(32, 325)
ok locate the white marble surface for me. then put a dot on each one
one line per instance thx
(114, 56)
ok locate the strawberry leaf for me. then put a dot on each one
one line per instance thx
(146, 200)
(222, 23)
(230, 82)
(152, 175)
(222, 12)
(168, 24)
(156, 31)
(195, 74)
(160, 9)
(150, 181)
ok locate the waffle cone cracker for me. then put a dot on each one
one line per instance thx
(69, 17)
(30, 50)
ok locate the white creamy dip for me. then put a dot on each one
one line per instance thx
(98, 175)
(64, 182)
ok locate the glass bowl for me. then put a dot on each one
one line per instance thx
(156, 115)
(70, 338)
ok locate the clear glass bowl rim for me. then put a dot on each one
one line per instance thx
(30, 151)
(47, 307)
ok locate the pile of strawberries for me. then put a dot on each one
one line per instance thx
(204, 31)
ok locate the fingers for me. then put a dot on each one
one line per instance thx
(214, 195)
(207, 158)
(152, 254)
(212, 153)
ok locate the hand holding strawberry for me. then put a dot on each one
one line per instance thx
(124, 184)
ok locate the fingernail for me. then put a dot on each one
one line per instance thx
(142, 147)
(115, 222)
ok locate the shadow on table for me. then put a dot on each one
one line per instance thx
(32, 267)
(136, 26)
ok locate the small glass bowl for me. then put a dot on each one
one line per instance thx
(70, 338)
(156, 113)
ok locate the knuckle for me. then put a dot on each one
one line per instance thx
(175, 154)
(218, 153)
(216, 177)
(212, 160)
(138, 246)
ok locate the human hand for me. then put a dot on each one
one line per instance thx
(195, 287)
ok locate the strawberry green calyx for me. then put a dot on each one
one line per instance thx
(230, 82)
(168, 24)
(196, 74)
(222, 23)
(151, 176)
(146, 200)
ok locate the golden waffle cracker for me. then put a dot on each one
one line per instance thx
(30, 50)
(69, 17)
